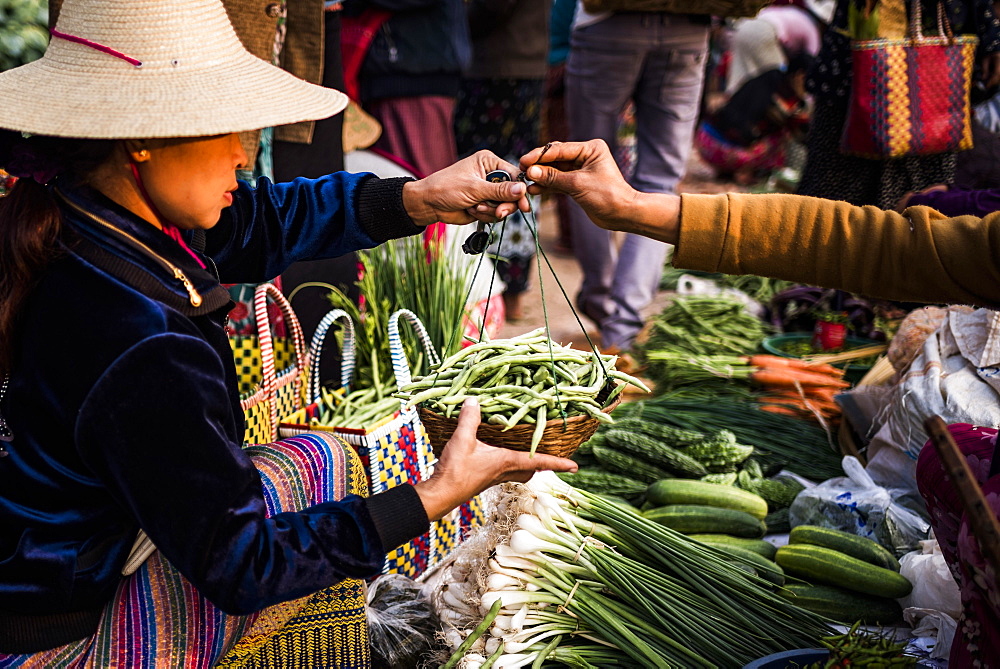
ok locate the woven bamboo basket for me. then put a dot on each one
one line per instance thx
(557, 439)
(708, 7)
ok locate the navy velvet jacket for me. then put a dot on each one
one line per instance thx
(125, 414)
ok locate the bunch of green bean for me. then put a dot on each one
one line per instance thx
(526, 379)
(357, 409)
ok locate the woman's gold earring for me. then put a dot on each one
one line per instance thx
(143, 154)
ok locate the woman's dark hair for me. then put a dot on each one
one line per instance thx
(30, 220)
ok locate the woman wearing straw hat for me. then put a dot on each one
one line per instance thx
(123, 137)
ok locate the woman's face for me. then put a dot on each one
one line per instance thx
(190, 180)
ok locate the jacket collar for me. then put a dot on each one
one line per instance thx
(135, 252)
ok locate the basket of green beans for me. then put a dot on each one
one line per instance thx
(535, 395)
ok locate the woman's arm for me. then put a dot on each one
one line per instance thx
(269, 227)
(919, 255)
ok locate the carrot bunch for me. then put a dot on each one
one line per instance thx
(797, 388)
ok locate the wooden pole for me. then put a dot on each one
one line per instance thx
(982, 520)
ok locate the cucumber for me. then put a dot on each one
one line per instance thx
(846, 543)
(820, 565)
(686, 491)
(766, 569)
(700, 519)
(763, 548)
(844, 606)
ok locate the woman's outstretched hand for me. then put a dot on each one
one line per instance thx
(460, 194)
(467, 466)
(587, 172)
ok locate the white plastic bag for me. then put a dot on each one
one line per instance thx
(931, 624)
(688, 284)
(856, 504)
(934, 586)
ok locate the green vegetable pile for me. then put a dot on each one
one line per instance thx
(23, 31)
(581, 581)
(699, 326)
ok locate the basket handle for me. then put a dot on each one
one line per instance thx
(266, 340)
(917, 20)
(400, 365)
(347, 351)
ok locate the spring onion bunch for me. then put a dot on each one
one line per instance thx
(586, 582)
(415, 274)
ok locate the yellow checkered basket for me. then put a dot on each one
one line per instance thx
(271, 371)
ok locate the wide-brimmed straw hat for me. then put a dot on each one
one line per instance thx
(153, 68)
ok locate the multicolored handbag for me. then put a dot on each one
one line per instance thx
(394, 448)
(910, 97)
(271, 371)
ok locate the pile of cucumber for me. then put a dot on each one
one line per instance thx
(841, 576)
(624, 458)
(847, 578)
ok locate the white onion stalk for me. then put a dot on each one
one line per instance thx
(502, 581)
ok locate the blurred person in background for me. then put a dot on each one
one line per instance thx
(657, 60)
(777, 33)
(554, 122)
(499, 108)
(410, 76)
(746, 138)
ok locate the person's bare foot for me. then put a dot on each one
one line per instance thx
(513, 307)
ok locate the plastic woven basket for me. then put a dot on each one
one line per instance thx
(560, 438)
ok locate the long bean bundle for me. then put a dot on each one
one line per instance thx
(526, 379)
(690, 331)
(705, 326)
(359, 408)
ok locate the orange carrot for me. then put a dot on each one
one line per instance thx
(800, 403)
(777, 362)
(781, 409)
(793, 378)
(822, 393)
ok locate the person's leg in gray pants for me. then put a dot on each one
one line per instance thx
(658, 61)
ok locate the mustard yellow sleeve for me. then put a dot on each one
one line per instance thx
(919, 256)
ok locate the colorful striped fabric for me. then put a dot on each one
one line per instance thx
(158, 619)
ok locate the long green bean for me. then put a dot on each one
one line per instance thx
(519, 381)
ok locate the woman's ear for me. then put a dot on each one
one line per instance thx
(137, 150)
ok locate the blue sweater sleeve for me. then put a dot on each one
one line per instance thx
(156, 441)
(272, 225)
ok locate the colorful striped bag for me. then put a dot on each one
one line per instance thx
(910, 96)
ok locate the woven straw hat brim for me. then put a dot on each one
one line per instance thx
(196, 78)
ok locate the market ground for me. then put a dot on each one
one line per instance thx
(562, 323)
